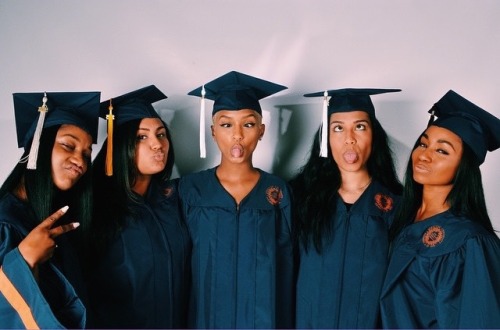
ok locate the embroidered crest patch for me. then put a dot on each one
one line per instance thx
(274, 195)
(383, 202)
(167, 192)
(433, 236)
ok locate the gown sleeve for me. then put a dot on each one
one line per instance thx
(480, 297)
(22, 303)
(468, 283)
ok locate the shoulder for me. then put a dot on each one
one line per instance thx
(196, 179)
(448, 233)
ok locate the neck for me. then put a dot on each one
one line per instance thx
(353, 185)
(235, 171)
(433, 201)
(141, 184)
(355, 181)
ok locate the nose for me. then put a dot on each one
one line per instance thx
(80, 160)
(350, 139)
(424, 155)
(155, 144)
(237, 133)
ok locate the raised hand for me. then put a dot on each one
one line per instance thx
(39, 245)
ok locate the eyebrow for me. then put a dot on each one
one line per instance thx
(356, 121)
(147, 129)
(440, 141)
(75, 138)
(245, 117)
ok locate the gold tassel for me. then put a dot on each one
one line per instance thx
(109, 152)
(33, 156)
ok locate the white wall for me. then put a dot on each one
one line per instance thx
(424, 47)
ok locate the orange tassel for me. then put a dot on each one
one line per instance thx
(109, 153)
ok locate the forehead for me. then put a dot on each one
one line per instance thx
(74, 131)
(440, 133)
(350, 116)
(236, 114)
(151, 122)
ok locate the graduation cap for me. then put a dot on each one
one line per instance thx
(124, 108)
(345, 100)
(232, 91)
(477, 128)
(35, 111)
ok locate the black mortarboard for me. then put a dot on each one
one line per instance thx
(345, 100)
(35, 111)
(477, 128)
(124, 108)
(133, 105)
(233, 91)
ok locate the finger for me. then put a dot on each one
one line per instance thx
(47, 223)
(59, 230)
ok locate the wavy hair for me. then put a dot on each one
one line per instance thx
(315, 187)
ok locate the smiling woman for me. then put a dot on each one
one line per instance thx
(42, 285)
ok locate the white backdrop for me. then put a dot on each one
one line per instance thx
(424, 47)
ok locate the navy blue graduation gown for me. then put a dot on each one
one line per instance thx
(49, 303)
(444, 272)
(142, 279)
(242, 262)
(340, 287)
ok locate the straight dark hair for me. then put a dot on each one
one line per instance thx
(315, 187)
(113, 195)
(43, 196)
(466, 197)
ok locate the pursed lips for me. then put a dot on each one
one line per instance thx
(77, 170)
(421, 168)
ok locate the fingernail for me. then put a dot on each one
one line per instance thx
(65, 208)
(76, 224)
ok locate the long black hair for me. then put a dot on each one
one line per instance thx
(113, 195)
(315, 187)
(43, 196)
(466, 197)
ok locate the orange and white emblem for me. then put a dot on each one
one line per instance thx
(274, 195)
(433, 236)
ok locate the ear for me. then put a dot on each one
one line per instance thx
(262, 130)
(212, 129)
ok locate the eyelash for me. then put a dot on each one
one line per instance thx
(247, 125)
(359, 127)
(441, 151)
(140, 137)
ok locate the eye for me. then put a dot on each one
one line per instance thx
(360, 127)
(337, 128)
(161, 135)
(225, 125)
(422, 145)
(442, 151)
(67, 146)
(141, 137)
(249, 124)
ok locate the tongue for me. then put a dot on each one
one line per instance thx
(350, 157)
(236, 152)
